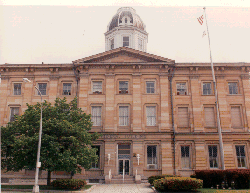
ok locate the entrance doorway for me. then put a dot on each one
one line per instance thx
(124, 165)
(124, 159)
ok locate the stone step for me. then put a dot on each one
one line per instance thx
(116, 181)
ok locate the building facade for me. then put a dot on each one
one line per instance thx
(156, 116)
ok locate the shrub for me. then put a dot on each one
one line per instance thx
(69, 184)
(177, 184)
(151, 179)
(241, 177)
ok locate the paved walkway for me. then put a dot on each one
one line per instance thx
(122, 188)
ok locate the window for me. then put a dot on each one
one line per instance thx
(140, 44)
(236, 116)
(185, 157)
(66, 88)
(241, 157)
(97, 87)
(150, 87)
(123, 116)
(152, 157)
(96, 115)
(151, 115)
(207, 89)
(17, 88)
(112, 44)
(95, 165)
(233, 87)
(13, 111)
(209, 117)
(183, 119)
(213, 156)
(42, 87)
(126, 41)
(181, 88)
(123, 87)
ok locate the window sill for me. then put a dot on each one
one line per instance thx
(150, 94)
(234, 94)
(237, 127)
(96, 94)
(207, 95)
(152, 170)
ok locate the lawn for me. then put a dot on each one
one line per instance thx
(209, 190)
(41, 187)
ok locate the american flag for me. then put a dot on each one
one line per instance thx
(200, 19)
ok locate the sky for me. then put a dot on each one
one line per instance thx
(52, 31)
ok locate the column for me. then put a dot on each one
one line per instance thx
(229, 155)
(167, 158)
(200, 156)
(83, 92)
(246, 91)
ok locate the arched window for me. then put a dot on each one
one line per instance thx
(126, 20)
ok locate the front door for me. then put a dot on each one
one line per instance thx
(124, 164)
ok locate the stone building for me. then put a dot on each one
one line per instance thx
(156, 116)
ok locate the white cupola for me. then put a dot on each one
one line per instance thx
(126, 29)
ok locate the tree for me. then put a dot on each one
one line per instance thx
(66, 142)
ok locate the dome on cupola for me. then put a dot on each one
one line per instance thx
(126, 29)
(126, 16)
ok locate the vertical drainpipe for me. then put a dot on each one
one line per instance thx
(172, 111)
(77, 81)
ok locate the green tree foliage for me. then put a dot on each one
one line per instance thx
(66, 142)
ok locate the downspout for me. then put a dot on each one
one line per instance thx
(172, 111)
(77, 81)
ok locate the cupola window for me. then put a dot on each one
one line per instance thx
(125, 41)
(126, 20)
(112, 43)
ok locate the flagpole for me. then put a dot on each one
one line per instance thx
(216, 102)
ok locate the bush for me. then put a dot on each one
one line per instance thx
(241, 177)
(151, 179)
(177, 184)
(69, 184)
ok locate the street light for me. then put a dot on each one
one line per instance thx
(38, 163)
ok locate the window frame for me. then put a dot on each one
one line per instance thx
(126, 36)
(217, 158)
(146, 86)
(189, 157)
(96, 165)
(245, 157)
(188, 117)
(10, 112)
(128, 116)
(101, 116)
(14, 88)
(112, 43)
(63, 93)
(46, 94)
(241, 117)
(211, 88)
(156, 159)
(93, 89)
(237, 84)
(140, 44)
(156, 122)
(121, 91)
(179, 92)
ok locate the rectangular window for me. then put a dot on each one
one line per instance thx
(140, 44)
(213, 156)
(112, 44)
(123, 116)
(207, 89)
(95, 165)
(209, 117)
(96, 115)
(43, 88)
(17, 88)
(150, 87)
(66, 88)
(123, 87)
(236, 117)
(183, 119)
(97, 87)
(181, 88)
(151, 115)
(233, 87)
(185, 157)
(241, 156)
(152, 157)
(126, 41)
(13, 111)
